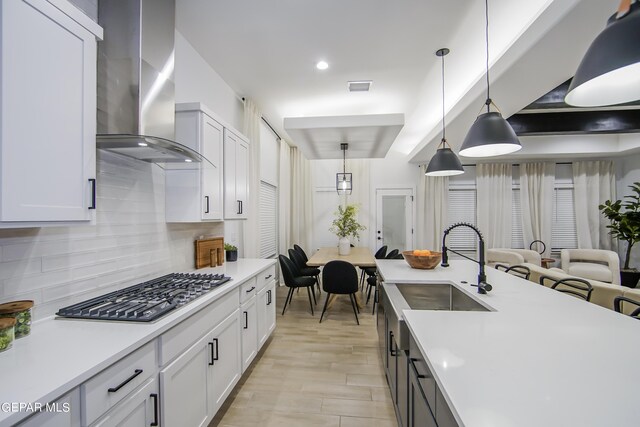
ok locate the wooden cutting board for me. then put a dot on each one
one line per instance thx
(209, 252)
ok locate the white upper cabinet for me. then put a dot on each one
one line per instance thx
(236, 175)
(47, 113)
(194, 191)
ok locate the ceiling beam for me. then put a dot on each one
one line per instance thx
(576, 122)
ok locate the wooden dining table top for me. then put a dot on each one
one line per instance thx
(359, 256)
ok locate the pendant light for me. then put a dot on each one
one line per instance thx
(444, 162)
(344, 182)
(490, 135)
(610, 70)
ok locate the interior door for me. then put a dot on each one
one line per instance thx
(394, 219)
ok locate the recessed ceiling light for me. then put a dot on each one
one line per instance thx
(188, 160)
(142, 144)
(322, 65)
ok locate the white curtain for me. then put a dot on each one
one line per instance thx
(361, 196)
(432, 210)
(296, 200)
(284, 199)
(494, 196)
(536, 201)
(594, 182)
(251, 129)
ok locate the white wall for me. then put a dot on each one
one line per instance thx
(196, 81)
(58, 266)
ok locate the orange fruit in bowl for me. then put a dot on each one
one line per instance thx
(421, 252)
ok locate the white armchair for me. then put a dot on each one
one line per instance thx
(509, 256)
(596, 264)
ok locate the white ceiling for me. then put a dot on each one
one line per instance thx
(266, 50)
(369, 136)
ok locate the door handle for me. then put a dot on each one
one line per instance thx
(239, 207)
(246, 320)
(154, 396)
(379, 238)
(93, 193)
(206, 198)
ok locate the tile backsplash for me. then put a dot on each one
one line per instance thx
(58, 266)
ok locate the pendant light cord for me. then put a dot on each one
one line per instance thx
(486, 32)
(344, 162)
(443, 123)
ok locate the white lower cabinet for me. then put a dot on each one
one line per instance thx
(185, 399)
(64, 412)
(249, 317)
(138, 409)
(194, 386)
(266, 307)
(180, 378)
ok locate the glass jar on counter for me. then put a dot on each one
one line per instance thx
(21, 312)
(7, 334)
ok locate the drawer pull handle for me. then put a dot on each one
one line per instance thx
(413, 361)
(125, 382)
(252, 288)
(268, 277)
(154, 396)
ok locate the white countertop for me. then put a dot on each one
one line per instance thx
(541, 358)
(60, 354)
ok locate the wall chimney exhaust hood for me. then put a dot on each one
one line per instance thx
(136, 94)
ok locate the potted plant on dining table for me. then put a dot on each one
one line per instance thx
(346, 225)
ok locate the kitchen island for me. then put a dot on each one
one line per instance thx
(83, 368)
(537, 357)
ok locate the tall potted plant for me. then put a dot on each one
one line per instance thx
(346, 225)
(625, 225)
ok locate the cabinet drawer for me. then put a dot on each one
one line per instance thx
(423, 373)
(177, 339)
(265, 277)
(110, 386)
(247, 290)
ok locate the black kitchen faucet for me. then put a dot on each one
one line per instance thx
(483, 286)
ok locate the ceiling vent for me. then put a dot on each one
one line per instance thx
(360, 86)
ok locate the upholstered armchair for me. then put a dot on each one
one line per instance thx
(508, 256)
(596, 264)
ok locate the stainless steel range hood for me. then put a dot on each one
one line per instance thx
(136, 95)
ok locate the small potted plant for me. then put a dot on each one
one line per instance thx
(346, 225)
(231, 252)
(625, 225)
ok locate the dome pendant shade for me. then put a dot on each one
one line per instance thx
(610, 70)
(444, 163)
(490, 135)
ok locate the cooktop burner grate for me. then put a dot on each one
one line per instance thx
(146, 301)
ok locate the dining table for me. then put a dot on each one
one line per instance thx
(358, 256)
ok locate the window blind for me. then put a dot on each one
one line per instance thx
(268, 220)
(563, 230)
(462, 208)
(517, 239)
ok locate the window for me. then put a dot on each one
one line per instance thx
(268, 220)
(462, 208)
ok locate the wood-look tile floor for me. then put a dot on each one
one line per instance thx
(314, 374)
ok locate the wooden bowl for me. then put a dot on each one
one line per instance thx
(426, 262)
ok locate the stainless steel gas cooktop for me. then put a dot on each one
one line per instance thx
(146, 301)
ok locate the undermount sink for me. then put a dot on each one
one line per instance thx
(438, 296)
